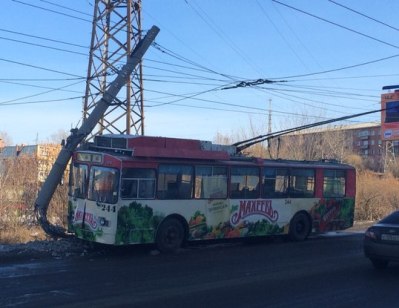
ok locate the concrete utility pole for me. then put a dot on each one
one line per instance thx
(116, 32)
(78, 135)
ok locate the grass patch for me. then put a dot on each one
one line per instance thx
(21, 234)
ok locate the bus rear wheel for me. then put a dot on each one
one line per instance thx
(300, 227)
(170, 235)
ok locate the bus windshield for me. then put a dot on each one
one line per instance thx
(103, 184)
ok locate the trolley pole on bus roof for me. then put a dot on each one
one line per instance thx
(78, 135)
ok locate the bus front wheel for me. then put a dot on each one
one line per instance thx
(300, 227)
(170, 235)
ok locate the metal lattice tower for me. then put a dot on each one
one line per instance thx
(115, 33)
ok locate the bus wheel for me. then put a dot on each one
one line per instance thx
(170, 235)
(299, 227)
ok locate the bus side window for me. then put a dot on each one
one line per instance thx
(147, 188)
(210, 182)
(175, 182)
(302, 183)
(138, 183)
(334, 183)
(244, 183)
(129, 188)
(275, 183)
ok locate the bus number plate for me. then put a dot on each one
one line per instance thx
(107, 208)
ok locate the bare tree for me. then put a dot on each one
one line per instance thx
(58, 136)
(20, 178)
(5, 139)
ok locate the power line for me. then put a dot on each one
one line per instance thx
(197, 67)
(41, 101)
(36, 86)
(67, 8)
(52, 11)
(43, 38)
(347, 77)
(40, 68)
(336, 24)
(221, 34)
(178, 82)
(276, 28)
(183, 59)
(364, 15)
(341, 68)
(180, 73)
(38, 94)
(260, 111)
(43, 46)
(40, 79)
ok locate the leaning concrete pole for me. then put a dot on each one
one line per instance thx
(77, 136)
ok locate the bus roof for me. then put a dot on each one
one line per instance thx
(161, 147)
(129, 147)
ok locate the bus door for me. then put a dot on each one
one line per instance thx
(77, 192)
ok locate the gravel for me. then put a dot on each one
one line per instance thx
(39, 249)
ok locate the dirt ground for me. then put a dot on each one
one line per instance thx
(38, 247)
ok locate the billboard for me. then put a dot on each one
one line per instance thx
(390, 116)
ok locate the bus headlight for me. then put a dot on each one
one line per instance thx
(104, 222)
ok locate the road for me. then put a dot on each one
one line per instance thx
(320, 272)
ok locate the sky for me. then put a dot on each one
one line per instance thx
(222, 67)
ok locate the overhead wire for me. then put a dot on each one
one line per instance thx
(220, 33)
(174, 55)
(193, 68)
(42, 46)
(262, 112)
(40, 68)
(258, 82)
(287, 42)
(67, 8)
(43, 38)
(313, 106)
(336, 24)
(52, 11)
(185, 60)
(37, 86)
(364, 15)
(38, 94)
(41, 101)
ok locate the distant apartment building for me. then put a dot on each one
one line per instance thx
(44, 156)
(363, 139)
(367, 140)
(23, 169)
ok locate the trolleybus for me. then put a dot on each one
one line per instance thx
(135, 189)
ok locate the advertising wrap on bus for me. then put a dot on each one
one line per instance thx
(120, 199)
(137, 223)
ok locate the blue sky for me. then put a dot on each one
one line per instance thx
(217, 44)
